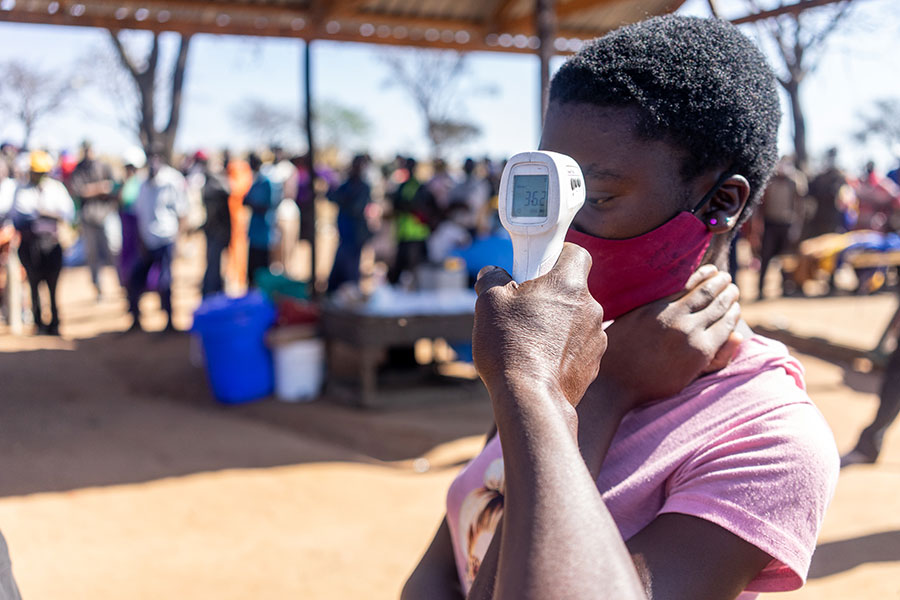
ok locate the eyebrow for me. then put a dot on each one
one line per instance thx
(596, 172)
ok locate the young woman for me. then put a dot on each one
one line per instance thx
(630, 470)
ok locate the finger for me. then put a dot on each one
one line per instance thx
(491, 277)
(717, 333)
(725, 353)
(699, 276)
(704, 294)
(573, 264)
(719, 307)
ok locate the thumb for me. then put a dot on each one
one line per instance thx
(491, 277)
(573, 264)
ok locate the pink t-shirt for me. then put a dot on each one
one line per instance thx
(744, 448)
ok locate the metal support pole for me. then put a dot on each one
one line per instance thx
(310, 158)
(545, 25)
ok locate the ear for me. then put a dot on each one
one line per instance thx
(726, 204)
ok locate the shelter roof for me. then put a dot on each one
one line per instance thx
(500, 25)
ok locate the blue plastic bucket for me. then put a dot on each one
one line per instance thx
(232, 332)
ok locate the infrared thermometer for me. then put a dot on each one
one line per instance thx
(540, 193)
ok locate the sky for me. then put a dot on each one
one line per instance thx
(859, 66)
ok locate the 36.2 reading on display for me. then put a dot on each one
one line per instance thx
(530, 195)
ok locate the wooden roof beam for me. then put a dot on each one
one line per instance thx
(498, 15)
(219, 7)
(397, 20)
(573, 7)
(271, 29)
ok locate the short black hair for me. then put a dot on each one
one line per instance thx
(699, 84)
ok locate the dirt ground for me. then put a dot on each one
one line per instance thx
(120, 477)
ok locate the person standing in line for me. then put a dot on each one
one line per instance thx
(474, 192)
(217, 228)
(131, 186)
(7, 190)
(38, 208)
(868, 447)
(92, 184)
(877, 199)
(303, 196)
(410, 225)
(281, 173)
(240, 178)
(7, 237)
(161, 208)
(352, 197)
(781, 210)
(827, 188)
(440, 185)
(261, 200)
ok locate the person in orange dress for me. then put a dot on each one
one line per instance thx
(240, 178)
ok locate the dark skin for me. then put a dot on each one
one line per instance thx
(538, 347)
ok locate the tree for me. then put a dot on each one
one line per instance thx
(433, 79)
(28, 94)
(336, 125)
(799, 41)
(148, 78)
(267, 122)
(882, 122)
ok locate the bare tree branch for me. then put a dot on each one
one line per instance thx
(177, 86)
(799, 44)
(123, 54)
(816, 46)
(820, 37)
(146, 99)
(29, 95)
(153, 59)
(433, 81)
(336, 125)
(880, 122)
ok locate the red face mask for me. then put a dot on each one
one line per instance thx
(629, 273)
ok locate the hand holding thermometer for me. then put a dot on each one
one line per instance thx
(540, 193)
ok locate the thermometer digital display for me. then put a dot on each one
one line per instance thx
(530, 195)
(540, 193)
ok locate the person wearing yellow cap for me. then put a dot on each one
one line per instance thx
(39, 206)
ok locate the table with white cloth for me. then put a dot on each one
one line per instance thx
(358, 335)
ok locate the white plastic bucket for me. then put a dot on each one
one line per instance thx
(299, 363)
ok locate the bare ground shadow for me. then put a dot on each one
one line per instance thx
(132, 408)
(867, 383)
(842, 555)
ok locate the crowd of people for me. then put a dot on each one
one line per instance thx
(806, 216)
(129, 215)
(129, 220)
(129, 212)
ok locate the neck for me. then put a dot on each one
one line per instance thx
(717, 253)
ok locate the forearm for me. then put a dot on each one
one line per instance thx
(558, 538)
(604, 406)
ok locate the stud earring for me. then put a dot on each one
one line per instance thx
(714, 221)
